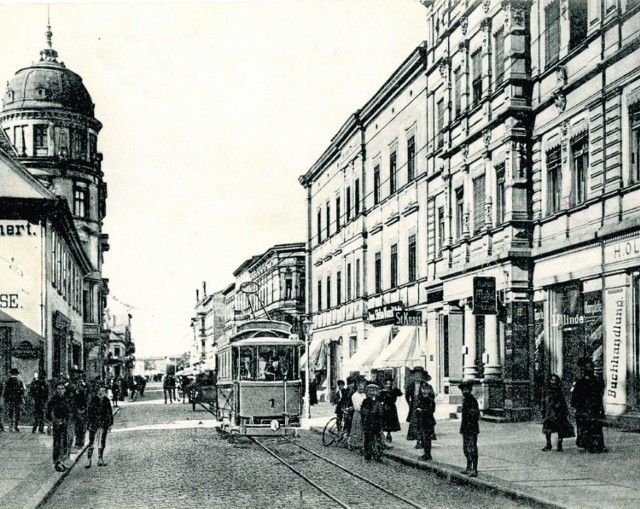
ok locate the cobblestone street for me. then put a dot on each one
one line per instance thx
(167, 456)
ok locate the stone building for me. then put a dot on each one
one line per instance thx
(48, 116)
(208, 325)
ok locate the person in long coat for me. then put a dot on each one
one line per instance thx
(39, 392)
(100, 420)
(388, 397)
(356, 436)
(419, 376)
(372, 413)
(425, 407)
(58, 412)
(586, 398)
(556, 418)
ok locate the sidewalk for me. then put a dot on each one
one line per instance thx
(27, 476)
(512, 462)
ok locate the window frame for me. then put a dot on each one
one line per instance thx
(393, 265)
(377, 272)
(412, 260)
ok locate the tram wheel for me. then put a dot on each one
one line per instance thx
(331, 432)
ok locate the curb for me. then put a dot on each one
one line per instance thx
(452, 474)
(50, 486)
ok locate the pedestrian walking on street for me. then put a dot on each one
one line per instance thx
(39, 392)
(419, 377)
(80, 403)
(167, 389)
(133, 388)
(356, 436)
(13, 398)
(586, 398)
(388, 397)
(346, 404)
(115, 392)
(123, 388)
(425, 409)
(100, 420)
(470, 428)
(372, 422)
(58, 415)
(556, 418)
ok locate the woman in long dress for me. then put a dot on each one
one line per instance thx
(356, 436)
(420, 377)
(556, 414)
(388, 398)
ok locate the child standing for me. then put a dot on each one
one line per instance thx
(372, 420)
(469, 428)
(426, 406)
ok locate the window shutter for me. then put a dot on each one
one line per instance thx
(499, 56)
(478, 203)
(552, 31)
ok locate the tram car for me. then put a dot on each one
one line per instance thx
(259, 391)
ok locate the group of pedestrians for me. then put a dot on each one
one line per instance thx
(69, 406)
(123, 388)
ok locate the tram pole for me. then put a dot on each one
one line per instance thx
(307, 332)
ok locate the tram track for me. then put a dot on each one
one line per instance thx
(352, 496)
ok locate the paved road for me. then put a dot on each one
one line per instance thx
(165, 456)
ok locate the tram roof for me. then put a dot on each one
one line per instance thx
(268, 341)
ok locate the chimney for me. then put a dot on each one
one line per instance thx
(197, 296)
(204, 289)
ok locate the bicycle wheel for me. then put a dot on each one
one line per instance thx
(330, 433)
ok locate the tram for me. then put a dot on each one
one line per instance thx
(258, 388)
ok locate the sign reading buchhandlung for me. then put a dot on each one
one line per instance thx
(484, 295)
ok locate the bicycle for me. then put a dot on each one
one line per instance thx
(332, 432)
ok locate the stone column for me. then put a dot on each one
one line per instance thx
(492, 367)
(469, 370)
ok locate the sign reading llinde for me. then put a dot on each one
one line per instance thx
(616, 366)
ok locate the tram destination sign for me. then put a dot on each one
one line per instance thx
(484, 295)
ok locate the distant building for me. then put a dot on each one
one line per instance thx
(208, 325)
(121, 348)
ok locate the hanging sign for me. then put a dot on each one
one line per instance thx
(484, 295)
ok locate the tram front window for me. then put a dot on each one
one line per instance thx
(275, 362)
(247, 363)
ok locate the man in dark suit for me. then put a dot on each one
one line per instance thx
(39, 392)
(58, 414)
(13, 398)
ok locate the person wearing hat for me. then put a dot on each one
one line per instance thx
(58, 414)
(13, 398)
(100, 420)
(419, 377)
(470, 428)
(425, 407)
(39, 392)
(80, 402)
(372, 420)
(356, 435)
(586, 398)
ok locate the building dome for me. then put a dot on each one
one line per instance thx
(47, 84)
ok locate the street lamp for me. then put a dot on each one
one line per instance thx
(307, 327)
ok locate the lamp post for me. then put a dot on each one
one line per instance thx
(307, 324)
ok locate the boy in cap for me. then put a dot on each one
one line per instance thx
(13, 398)
(372, 420)
(469, 429)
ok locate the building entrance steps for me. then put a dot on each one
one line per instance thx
(512, 462)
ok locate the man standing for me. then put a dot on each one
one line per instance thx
(469, 428)
(80, 406)
(58, 415)
(39, 393)
(100, 419)
(13, 398)
(167, 389)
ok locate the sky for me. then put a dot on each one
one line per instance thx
(210, 111)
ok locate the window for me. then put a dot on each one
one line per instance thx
(339, 288)
(348, 198)
(394, 265)
(319, 306)
(288, 288)
(349, 282)
(19, 141)
(93, 146)
(393, 170)
(635, 147)
(353, 345)
(478, 204)
(338, 214)
(357, 278)
(412, 258)
(459, 193)
(328, 225)
(356, 197)
(554, 180)
(54, 259)
(457, 90)
(80, 200)
(578, 20)
(40, 139)
(499, 52)
(376, 185)
(476, 63)
(378, 272)
(552, 32)
(580, 160)
(319, 216)
(440, 126)
(79, 143)
(411, 158)
(500, 195)
(328, 292)
(440, 229)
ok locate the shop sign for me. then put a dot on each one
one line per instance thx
(60, 321)
(484, 295)
(385, 312)
(624, 250)
(25, 350)
(407, 318)
(616, 367)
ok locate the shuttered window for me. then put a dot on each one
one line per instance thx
(440, 127)
(457, 89)
(376, 185)
(552, 32)
(554, 181)
(499, 52)
(412, 258)
(478, 203)
(394, 265)
(476, 63)
(500, 195)
(411, 158)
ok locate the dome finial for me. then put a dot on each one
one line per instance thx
(49, 54)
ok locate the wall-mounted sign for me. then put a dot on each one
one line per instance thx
(385, 312)
(628, 249)
(60, 321)
(615, 371)
(407, 318)
(484, 295)
(25, 350)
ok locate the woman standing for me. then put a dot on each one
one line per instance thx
(586, 398)
(356, 437)
(388, 397)
(556, 414)
(419, 377)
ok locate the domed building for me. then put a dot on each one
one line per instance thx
(48, 116)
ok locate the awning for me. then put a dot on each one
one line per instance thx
(369, 350)
(317, 354)
(405, 350)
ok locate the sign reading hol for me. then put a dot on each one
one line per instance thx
(484, 295)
